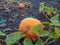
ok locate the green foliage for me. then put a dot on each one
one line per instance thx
(54, 20)
(13, 37)
(50, 12)
(56, 32)
(39, 42)
(46, 10)
(46, 23)
(36, 29)
(51, 35)
(41, 8)
(46, 33)
(27, 42)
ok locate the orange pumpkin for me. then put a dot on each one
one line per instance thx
(21, 5)
(25, 26)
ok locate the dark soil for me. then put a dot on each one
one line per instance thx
(10, 12)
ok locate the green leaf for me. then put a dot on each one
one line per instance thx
(51, 35)
(54, 34)
(56, 31)
(54, 20)
(39, 42)
(45, 33)
(2, 34)
(27, 42)
(52, 8)
(36, 29)
(13, 37)
(46, 23)
(41, 8)
(49, 11)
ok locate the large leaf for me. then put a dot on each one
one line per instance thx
(36, 29)
(13, 37)
(2, 34)
(45, 33)
(27, 42)
(54, 20)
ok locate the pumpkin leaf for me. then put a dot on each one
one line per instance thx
(54, 20)
(51, 35)
(45, 33)
(13, 37)
(56, 31)
(54, 34)
(49, 11)
(41, 8)
(27, 42)
(36, 29)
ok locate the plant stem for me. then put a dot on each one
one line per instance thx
(19, 43)
(46, 41)
(51, 42)
(46, 16)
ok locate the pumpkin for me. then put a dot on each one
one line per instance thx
(25, 26)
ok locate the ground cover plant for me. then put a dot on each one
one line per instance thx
(33, 31)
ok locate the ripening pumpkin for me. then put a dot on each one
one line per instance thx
(25, 26)
(22, 5)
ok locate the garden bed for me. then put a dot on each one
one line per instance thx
(11, 15)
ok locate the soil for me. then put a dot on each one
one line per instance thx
(12, 14)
